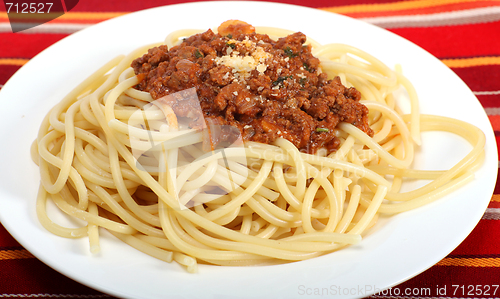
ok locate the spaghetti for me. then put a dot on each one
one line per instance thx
(111, 155)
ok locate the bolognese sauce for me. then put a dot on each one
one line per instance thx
(266, 88)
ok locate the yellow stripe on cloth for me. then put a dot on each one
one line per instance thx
(13, 61)
(470, 262)
(91, 15)
(470, 62)
(495, 198)
(15, 254)
(396, 6)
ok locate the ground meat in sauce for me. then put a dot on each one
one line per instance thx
(265, 88)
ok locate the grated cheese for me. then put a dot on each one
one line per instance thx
(242, 65)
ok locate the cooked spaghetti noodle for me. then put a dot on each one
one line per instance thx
(112, 156)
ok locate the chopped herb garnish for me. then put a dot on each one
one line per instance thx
(281, 80)
(306, 67)
(198, 54)
(232, 46)
(289, 52)
(229, 35)
(320, 130)
(302, 81)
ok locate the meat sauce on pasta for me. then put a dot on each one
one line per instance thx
(265, 88)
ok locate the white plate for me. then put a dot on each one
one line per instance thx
(398, 249)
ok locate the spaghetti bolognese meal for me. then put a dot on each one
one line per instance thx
(239, 145)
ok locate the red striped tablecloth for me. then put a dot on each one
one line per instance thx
(463, 34)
